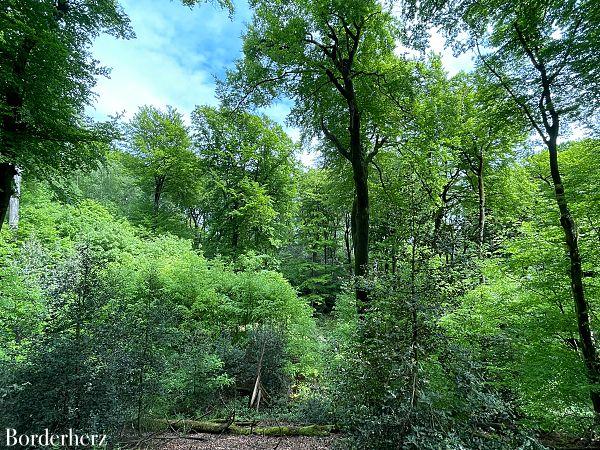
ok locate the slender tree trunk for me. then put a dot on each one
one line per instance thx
(195, 216)
(481, 196)
(347, 240)
(440, 214)
(333, 251)
(550, 118)
(588, 346)
(413, 303)
(13, 208)
(437, 226)
(7, 173)
(325, 248)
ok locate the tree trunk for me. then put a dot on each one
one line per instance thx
(355, 153)
(347, 240)
(481, 195)
(360, 211)
(551, 124)
(7, 173)
(360, 233)
(588, 346)
(240, 428)
(13, 208)
(11, 125)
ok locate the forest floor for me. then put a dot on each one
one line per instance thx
(202, 441)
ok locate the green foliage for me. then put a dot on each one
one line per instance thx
(249, 167)
(521, 322)
(404, 385)
(160, 283)
(563, 36)
(161, 157)
(129, 324)
(316, 260)
(46, 79)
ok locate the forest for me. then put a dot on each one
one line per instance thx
(430, 281)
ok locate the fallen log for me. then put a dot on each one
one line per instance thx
(239, 423)
(195, 426)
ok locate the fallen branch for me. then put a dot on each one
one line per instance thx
(194, 426)
(176, 438)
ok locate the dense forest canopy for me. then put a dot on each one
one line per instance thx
(431, 281)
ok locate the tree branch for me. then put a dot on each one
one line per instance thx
(335, 141)
(522, 105)
(376, 147)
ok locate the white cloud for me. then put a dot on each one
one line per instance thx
(173, 59)
(437, 44)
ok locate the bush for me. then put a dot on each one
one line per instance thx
(398, 382)
(243, 355)
(102, 325)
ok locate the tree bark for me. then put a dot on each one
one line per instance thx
(7, 173)
(361, 232)
(549, 131)
(589, 351)
(354, 152)
(159, 183)
(360, 211)
(481, 198)
(588, 346)
(13, 208)
(347, 240)
(11, 125)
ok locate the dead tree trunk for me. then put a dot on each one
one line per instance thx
(13, 207)
(7, 173)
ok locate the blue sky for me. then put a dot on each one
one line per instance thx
(177, 54)
(173, 60)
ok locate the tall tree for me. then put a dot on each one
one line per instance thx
(546, 55)
(330, 57)
(319, 257)
(483, 136)
(46, 80)
(161, 147)
(248, 166)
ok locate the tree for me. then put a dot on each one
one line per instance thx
(519, 323)
(546, 58)
(46, 80)
(319, 257)
(163, 158)
(331, 58)
(483, 135)
(248, 165)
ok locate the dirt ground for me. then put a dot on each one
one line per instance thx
(233, 442)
